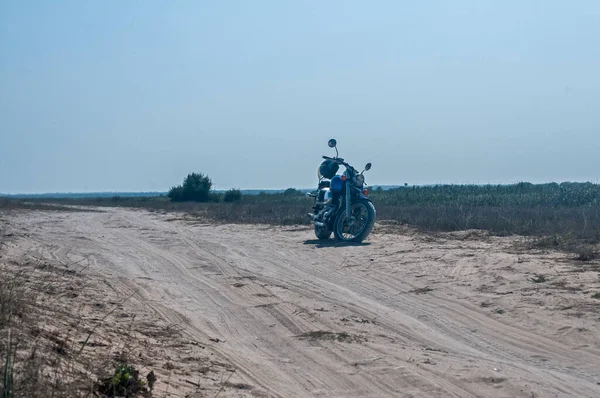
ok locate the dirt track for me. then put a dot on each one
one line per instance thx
(405, 315)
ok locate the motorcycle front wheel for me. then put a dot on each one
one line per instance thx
(359, 226)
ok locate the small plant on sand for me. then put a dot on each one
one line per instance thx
(539, 279)
(125, 382)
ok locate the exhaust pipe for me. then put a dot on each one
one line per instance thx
(314, 221)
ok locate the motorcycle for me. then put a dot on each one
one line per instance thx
(341, 203)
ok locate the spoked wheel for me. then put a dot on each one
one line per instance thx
(359, 226)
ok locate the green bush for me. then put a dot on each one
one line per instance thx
(196, 187)
(125, 382)
(233, 195)
(175, 193)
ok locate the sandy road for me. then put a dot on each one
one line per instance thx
(405, 315)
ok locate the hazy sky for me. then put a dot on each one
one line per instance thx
(133, 95)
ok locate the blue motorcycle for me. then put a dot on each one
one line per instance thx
(341, 204)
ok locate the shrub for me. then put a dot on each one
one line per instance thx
(233, 195)
(125, 382)
(175, 193)
(196, 187)
(585, 253)
(292, 192)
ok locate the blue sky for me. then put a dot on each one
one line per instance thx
(133, 95)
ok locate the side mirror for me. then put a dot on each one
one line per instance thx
(332, 143)
(368, 166)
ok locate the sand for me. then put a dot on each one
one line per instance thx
(407, 314)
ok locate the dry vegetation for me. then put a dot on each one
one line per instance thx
(48, 336)
(66, 332)
(558, 216)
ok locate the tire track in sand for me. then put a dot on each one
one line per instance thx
(258, 289)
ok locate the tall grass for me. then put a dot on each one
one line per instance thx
(507, 196)
(525, 209)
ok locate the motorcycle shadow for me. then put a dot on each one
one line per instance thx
(333, 243)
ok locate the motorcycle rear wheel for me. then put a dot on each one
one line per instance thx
(322, 233)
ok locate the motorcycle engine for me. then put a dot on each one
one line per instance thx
(327, 211)
(326, 197)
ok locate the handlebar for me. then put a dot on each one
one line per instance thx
(340, 161)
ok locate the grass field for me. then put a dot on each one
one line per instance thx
(525, 209)
(562, 213)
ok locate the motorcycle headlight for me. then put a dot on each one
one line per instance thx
(360, 180)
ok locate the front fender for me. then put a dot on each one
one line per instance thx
(363, 197)
(342, 207)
